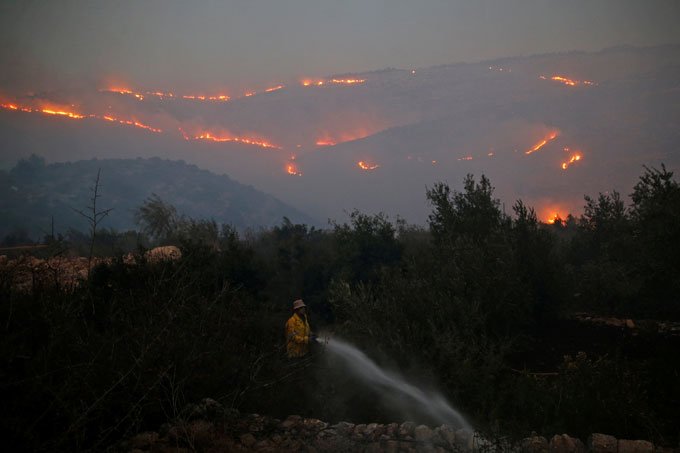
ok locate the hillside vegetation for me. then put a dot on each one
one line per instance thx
(33, 192)
(477, 304)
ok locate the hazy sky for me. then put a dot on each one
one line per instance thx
(172, 44)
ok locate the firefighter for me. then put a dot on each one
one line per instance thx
(298, 333)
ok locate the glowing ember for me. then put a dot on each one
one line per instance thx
(347, 81)
(567, 81)
(367, 166)
(160, 94)
(68, 114)
(542, 143)
(555, 218)
(276, 88)
(131, 123)
(326, 143)
(465, 158)
(248, 141)
(574, 158)
(123, 91)
(292, 169)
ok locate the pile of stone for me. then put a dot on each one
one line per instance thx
(208, 427)
(26, 273)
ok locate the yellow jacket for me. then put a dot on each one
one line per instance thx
(297, 336)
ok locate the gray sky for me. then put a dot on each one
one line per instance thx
(235, 44)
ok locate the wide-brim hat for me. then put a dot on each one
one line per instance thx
(298, 304)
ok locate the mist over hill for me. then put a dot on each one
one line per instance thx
(374, 141)
(33, 192)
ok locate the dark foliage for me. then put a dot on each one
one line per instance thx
(479, 303)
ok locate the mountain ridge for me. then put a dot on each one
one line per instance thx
(33, 192)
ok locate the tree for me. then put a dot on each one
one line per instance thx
(93, 216)
(473, 213)
(157, 218)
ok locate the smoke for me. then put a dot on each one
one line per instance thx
(438, 124)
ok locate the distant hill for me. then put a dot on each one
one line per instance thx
(33, 191)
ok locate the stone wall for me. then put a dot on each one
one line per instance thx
(208, 427)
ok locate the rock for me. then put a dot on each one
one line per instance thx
(291, 422)
(359, 431)
(248, 440)
(313, 424)
(166, 253)
(406, 429)
(264, 445)
(207, 409)
(423, 433)
(635, 446)
(392, 430)
(448, 434)
(343, 428)
(566, 444)
(200, 433)
(602, 443)
(391, 446)
(438, 439)
(143, 441)
(374, 431)
(373, 447)
(535, 444)
(630, 323)
(464, 439)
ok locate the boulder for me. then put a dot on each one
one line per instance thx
(464, 439)
(291, 422)
(535, 444)
(143, 441)
(565, 444)
(635, 446)
(248, 440)
(160, 254)
(423, 434)
(602, 443)
(343, 428)
(200, 433)
(406, 429)
(448, 434)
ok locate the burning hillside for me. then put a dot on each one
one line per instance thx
(502, 119)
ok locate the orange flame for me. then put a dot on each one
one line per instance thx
(465, 158)
(367, 166)
(123, 91)
(554, 218)
(220, 139)
(57, 111)
(574, 158)
(292, 169)
(310, 82)
(276, 88)
(131, 123)
(568, 81)
(542, 143)
(347, 81)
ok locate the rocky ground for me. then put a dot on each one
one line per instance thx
(208, 427)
